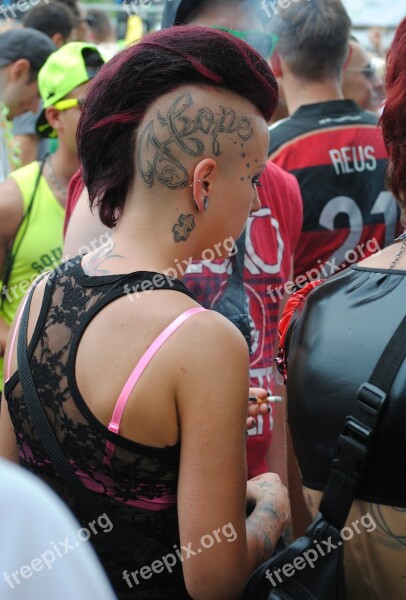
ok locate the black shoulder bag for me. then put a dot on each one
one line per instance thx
(233, 304)
(143, 548)
(312, 567)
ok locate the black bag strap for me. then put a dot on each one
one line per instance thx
(358, 435)
(12, 252)
(238, 269)
(143, 548)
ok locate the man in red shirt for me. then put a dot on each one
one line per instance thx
(333, 147)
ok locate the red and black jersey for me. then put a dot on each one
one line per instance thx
(336, 151)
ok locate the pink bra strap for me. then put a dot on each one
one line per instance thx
(114, 425)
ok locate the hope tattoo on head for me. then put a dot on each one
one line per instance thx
(176, 131)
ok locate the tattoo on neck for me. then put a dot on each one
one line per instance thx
(179, 130)
(183, 228)
(93, 266)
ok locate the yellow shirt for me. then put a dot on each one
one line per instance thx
(38, 243)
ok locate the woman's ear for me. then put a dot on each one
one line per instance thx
(203, 181)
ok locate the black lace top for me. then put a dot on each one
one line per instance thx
(139, 486)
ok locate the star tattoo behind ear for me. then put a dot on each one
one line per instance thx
(183, 228)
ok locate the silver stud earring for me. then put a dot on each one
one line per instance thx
(205, 202)
(198, 181)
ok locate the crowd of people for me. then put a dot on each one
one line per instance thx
(164, 207)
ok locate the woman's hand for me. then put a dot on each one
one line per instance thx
(257, 408)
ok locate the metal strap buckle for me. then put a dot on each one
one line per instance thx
(356, 432)
(371, 398)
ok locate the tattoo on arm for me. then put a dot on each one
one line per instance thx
(259, 530)
(390, 525)
(183, 228)
(264, 526)
(93, 266)
(177, 133)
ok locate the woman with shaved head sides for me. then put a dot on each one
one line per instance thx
(145, 391)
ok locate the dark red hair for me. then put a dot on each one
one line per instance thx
(132, 80)
(394, 116)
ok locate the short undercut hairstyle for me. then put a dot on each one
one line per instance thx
(51, 18)
(135, 78)
(313, 38)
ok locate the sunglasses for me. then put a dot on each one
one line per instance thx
(262, 42)
(369, 71)
(69, 103)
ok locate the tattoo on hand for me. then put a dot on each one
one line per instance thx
(179, 130)
(183, 228)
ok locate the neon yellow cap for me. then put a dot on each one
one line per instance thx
(63, 71)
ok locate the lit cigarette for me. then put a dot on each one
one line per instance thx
(266, 400)
(274, 399)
